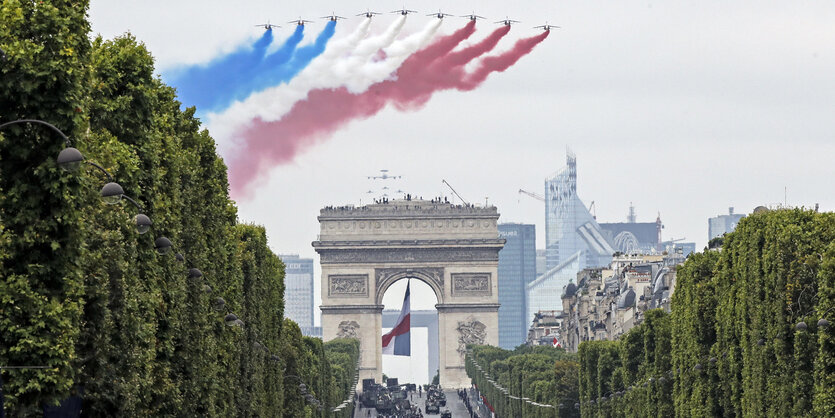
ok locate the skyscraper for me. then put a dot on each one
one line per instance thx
(573, 239)
(517, 268)
(298, 291)
(569, 227)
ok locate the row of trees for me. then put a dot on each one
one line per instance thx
(545, 375)
(124, 328)
(748, 334)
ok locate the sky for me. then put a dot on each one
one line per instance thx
(683, 108)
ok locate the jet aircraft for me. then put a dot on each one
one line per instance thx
(267, 26)
(384, 175)
(546, 27)
(507, 22)
(333, 17)
(404, 11)
(300, 21)
(439, 15)
(368, 13)
(473, 17)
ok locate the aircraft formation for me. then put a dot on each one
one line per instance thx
(368, 14)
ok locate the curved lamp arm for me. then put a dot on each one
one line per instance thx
(51, 126)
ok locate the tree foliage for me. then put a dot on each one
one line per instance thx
(81, 292)
(545, 375)
(743, 336)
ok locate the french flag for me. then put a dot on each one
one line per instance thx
(397, 340)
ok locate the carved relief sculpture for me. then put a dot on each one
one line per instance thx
(348, 329)
(470, 332)
(348, 285)
(471, 284)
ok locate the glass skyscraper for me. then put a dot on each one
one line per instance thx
(298, 291)
(573, 239)
(517, 268)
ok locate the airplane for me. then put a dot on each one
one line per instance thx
(473, 16)
(439, 15)
(507, 22)
(333, 17)
(370, 192)
(404, 11)
(300, 21)
(385, 187)
(368, 13)
(384, 175)
(546, 27)
(267, 26)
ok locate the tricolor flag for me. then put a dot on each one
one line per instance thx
(397, 340)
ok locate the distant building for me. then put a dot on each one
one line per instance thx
(683, 248)
(569, 226)
(605, 303)
(312, 332)
(544, 292)
(298, 291)
(634, 237)
(722, 224)
(573, 240)
(540, 262)
(545, 328)
(517, 268)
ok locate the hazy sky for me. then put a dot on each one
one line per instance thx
(683, 108)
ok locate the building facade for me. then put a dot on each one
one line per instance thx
(517, 268)
(722, 224)
(298, 291)
(607, 302)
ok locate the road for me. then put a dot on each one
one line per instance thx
(454, 405)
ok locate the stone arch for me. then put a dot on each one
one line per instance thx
(434, 277)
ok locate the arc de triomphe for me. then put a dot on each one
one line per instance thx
(452, 248)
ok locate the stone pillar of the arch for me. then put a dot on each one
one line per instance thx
(454, 321)
(337, 320)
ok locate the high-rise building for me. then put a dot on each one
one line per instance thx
(298, 291)
(517, 268)
(722, 224)
(569, 226)
(540, 262)
(573, 240)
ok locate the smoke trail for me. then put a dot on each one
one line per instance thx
(346, 61)
(301, 58)
(326, 110)
(212, 85)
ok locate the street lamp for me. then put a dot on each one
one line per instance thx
(163, 245)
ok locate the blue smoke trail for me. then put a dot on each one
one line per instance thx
(215, 85)
(301, 58)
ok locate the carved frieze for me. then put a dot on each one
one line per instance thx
(471, 284)
(407, 255)
(342, 285)
(470, 332)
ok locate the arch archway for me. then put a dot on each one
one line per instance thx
(453, 249)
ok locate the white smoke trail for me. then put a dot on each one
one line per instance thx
(340, 65)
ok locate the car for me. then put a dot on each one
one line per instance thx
(432, 407)
(446, 414)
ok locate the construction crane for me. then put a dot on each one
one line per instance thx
(533, 195)
(453, 191)
(540, 198)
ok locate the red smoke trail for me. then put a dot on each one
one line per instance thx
(432, 69)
